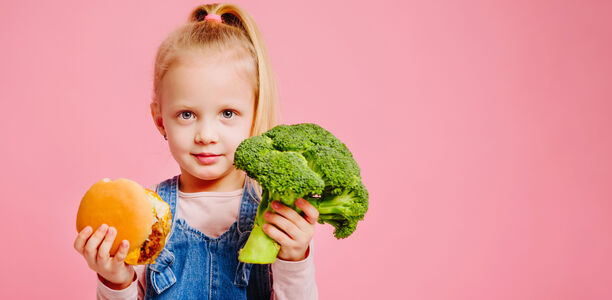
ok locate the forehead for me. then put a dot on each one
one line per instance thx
(195, 78)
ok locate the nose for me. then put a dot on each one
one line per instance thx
(206, 133)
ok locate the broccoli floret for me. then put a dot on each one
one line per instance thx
(301, 161)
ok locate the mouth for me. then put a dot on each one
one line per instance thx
(207, 158)
(206, 154)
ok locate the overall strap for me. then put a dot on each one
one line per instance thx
(162, 277)
(248, 206)
(168, 191)
(259, 277)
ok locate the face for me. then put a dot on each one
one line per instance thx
(206, 110)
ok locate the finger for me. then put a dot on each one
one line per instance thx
(276, 234)
(81, 239)
(121, 254)
(107, 243)
(283, 224)
(311, 213)
(91, 247)
(289, 214)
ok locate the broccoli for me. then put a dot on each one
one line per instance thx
(301, 161)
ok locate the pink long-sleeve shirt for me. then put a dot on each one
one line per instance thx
(213, 213)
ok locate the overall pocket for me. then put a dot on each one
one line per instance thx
(160, 273)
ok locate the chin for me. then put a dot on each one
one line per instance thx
(211, 173)
(208, 176)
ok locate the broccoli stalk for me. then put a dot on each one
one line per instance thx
(259, 246)
(301, 161)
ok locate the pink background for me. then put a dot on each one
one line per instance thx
(482, 129)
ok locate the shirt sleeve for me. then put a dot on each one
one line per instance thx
(132, 292)
(294, 279)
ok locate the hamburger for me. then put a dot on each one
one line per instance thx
(139, 215)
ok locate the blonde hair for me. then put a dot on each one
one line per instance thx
(237, 37)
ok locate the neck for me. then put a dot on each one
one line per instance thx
(230, 182)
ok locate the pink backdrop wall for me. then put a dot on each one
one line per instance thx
(482, 129)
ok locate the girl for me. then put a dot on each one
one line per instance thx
(213, 87)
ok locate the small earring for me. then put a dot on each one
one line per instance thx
(165, 137)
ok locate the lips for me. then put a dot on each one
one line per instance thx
(207, 158)
(206, 154)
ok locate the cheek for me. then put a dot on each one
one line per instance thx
(178, 138)
(237, 137)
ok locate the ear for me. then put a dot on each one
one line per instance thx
(157, 117)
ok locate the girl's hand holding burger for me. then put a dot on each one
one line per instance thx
(95, 248)
(139, 217)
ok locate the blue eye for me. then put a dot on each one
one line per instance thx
(228, 114)
(186, 114)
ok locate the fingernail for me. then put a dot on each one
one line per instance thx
(112, 230)
(103, 227)
(87, 230)
(275, 205)
(124, 244)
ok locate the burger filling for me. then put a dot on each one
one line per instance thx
(154, 244)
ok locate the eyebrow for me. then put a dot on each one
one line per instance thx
(181, 106)
(229, 102)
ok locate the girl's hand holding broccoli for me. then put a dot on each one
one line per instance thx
(301, 161)
(292, 231)
(113, 270)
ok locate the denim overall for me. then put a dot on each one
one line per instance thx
(195, 266)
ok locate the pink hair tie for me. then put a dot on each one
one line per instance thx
(214, 17)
